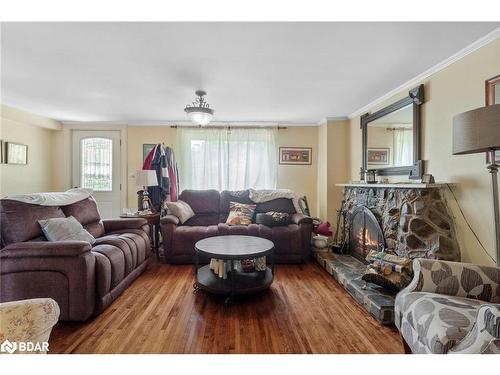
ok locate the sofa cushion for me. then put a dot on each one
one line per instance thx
(242, 230)
(65, 229)
(434, 323)
(185, 237)
(203, 220)
(86, 212)
(240, 214)
(114, 260)
(133, 243)
(202, 201)
(279, 205)
(273, 219)
(20, 220)
(181, 210)
(228, 196)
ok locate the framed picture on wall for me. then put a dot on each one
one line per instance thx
(379, 156)
(1, 152)
(16, 153)
(146, 149)
(492, 91)
(295, 155)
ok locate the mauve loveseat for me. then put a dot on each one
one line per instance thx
(83, 279)
(211, 208)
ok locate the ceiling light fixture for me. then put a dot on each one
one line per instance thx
(199, 111)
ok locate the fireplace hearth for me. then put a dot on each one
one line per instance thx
(365, 233)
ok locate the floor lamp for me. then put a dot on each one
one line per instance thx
(479, 131)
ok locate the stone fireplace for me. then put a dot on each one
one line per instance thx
(410, 220)
(413, 220)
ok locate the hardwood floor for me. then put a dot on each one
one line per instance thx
(304, 311)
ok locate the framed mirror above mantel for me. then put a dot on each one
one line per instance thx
(391, 138)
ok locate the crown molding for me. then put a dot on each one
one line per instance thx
(324, 120)
(488, 38)
(189, 123)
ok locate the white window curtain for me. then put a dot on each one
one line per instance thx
(227, 159)
(403, 147)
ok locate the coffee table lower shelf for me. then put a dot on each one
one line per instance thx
(237, 282)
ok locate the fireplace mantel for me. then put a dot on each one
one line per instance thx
(403, 185)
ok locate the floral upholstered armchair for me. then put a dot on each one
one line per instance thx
(450, 307)
(27, 321)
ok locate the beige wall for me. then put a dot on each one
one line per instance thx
(455, 89)
(333, 161)
(39, 134)
(300, 178)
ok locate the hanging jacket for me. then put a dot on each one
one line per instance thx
(149, 158)
(172, 174)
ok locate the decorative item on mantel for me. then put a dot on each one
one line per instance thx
(371, 176)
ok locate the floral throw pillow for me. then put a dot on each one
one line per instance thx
(240, 214)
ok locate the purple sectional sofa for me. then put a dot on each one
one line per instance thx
(292, 242)
(84, 279)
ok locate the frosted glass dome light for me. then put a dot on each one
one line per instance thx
(199, 111)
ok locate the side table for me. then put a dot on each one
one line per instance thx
(154, 229)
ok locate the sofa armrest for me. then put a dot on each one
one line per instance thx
(38, 316)
(64, 271)
(455, 279)
(111, 225)
(301, 219)
(484, 335)
(42, 249)
(169, 219)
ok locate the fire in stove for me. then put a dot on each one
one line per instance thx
(366, 241)
(365, 233)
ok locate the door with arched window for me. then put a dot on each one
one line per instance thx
(96, 165)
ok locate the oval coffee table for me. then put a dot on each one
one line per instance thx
(231, 249)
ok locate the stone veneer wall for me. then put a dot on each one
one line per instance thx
(416, 222)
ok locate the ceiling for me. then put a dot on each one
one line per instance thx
(277, 72)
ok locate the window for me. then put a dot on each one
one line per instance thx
(97, 164)
(227, 159)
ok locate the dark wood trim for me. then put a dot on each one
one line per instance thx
(415, 171)
(490, 89)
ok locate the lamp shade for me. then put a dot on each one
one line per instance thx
(146, 178)
(477, 130)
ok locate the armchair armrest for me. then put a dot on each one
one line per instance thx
(169, 219)
(38, 315)
(484, 336)
(111, 225)
(455, 279)
(301, 219)
(45, 249)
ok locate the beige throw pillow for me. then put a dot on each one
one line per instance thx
(65, 229)
(181, 210)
